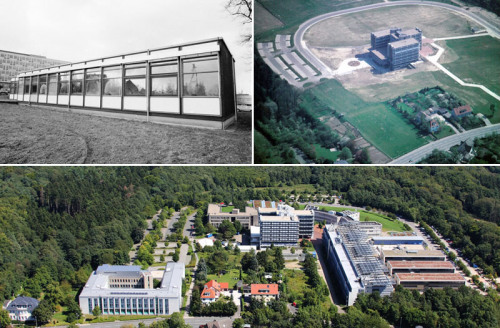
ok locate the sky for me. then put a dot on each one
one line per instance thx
(76, 30)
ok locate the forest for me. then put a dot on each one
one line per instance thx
(60, 223)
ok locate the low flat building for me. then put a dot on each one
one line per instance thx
(371, 228)
(422, 281)
(254, 235)
(21, 308)
(351, 214)
(264, 292)
(353, 262)
(247, 218)
(205, 242)
(412, 255)
(420, 267)
(398, 240)
(128, 290)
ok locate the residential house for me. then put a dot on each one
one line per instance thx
(212, 290)
(461, 111)
(264, 292)
(21, 308)
(430, 119)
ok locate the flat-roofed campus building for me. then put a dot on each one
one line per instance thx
(128, 290)
(412, 255)
(422, 281)
(420, 267)
(353, 262)
(396, 48)
(305, 217)
(278, 231)
(398, 240)
(13, 63)
(190, 83)
(216, 215)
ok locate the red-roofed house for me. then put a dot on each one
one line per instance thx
(265, 292)
(211, 291)
(461, 111)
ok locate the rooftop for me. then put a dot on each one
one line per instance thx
(403, 43)
(264, 289)
(421, 264)
(413, 253)
(264, 218)
(214, 209)
(430, 277)
(378, 34)
(23, 301)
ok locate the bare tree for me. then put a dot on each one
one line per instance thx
(241, 9)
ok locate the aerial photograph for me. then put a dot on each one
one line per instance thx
(374, 81)
(121, 81)
(301, 246)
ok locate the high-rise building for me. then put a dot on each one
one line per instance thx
(305, 217)
(278, 230)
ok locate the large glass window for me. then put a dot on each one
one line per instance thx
(43, 84)
(201, 77)
(27, 83)
(34, 85)
(64, 83)
(77, 82)
(20, 87)
(13, 87)
(164, 79)
(135, 80)
(112, 81)
(93, 82)
(53, 84)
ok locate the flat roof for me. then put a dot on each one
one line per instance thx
(304, 212)
(381, 33)
(403, 43)
(420, 264)
(413, 253)
(444, 277)
(267, 210)
(278, 219)
(216, 209)
(378, 54)
(402, 238)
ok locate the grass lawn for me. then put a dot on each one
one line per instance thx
(227, 209)
(231, 277)
(379, 124)
(292, 13)
(387, 223)
(45, 136)
(445, 132)
(477, 60)
(325, 153)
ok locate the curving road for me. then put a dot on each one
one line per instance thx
(325, 70)
(445, 144)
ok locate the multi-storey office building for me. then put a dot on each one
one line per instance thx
(422, 281)
(402, 53)
(121, 289)
(278, 231)
(13, 63)
(420, 267)
(412, 255)
(191, 83)
(396, 48)
(305, 217)
(216, 215)
(352, 260)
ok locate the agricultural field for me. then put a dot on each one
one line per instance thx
(473, 53)
(264, 20)
(380, 124)
(354, 29)
(48, 136)
(292, 13)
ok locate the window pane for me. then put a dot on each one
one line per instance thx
(201, 84)
(93, 87)
(43, 78)
(43, 87)
(164, 69)
(135, 87)
(200, 66)
(53, 78)
(77, 75)
(34, 85)
(27, 86)
(164, 86)
(52, 88)
(64, 77)
(21, 86)
(93, 74)
(135, 71)
(112, 72)
(76, 87)
(112, 87)
(63, 88)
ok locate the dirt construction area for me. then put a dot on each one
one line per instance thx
(31, 135)
(354, 29)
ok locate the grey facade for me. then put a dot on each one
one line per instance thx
(103, 290)
(278, 231)
(247, 218)
(305, 217)
(396, 48)
(13, 63)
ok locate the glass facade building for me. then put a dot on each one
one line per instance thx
(191, 83)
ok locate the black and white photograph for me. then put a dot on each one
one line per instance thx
(105, 82)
